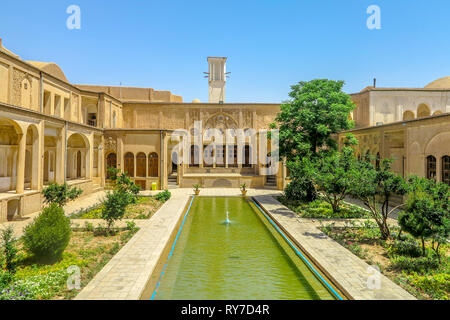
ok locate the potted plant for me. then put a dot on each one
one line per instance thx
(196, 189)
(243, 189)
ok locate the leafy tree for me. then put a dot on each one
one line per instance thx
(334, 176)
(48, 235)
(60, 194)
(427, 213)
(374, 187)
(317, 110)
(125, 193)
(9, 249)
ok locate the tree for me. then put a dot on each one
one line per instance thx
(375, 186)
(125, 193)
(317, 110)
(335, 176)
(60, 194)
(427, 213)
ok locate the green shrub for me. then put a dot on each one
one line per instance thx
(9, 249)
(408, 264)
(114, 206)
(5, 279)
(60, 194)
(408, 247)
(437, 285)
(48, 235)
(163, 196)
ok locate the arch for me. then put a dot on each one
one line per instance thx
(431, 167)
(78, 149)
(445, 175)
(408, 115)
(438, 142)
(111, 162)
(141, 161)
(129, 164)
(221, 121)
(153, 164)
(423, 111)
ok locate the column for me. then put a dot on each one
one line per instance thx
(60, 156)
(20, 181)
(120, 154)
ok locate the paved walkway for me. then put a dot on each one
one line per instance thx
(72, 207)
(350, 272)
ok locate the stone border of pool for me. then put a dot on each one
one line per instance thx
(128, 274)
(348, 272)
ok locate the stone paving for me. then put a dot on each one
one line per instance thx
(345, 268)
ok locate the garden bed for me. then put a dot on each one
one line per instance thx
(321, 209)
(89, 252)
(143, 209)
(400, 260)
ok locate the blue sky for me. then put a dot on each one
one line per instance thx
(269, 44)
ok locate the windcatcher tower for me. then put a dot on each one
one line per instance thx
(217, 78)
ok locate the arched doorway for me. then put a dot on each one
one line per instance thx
(79, 154)
(129, 164)
(141, 161)
(153, 164)
(111, 162)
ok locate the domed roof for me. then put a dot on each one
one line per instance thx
(441, 83)
(51, 68)
(195, 101)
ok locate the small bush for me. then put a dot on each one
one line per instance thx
(48, 235)
(163, 196)
(9, 249)
(408, 264)
(405, 248)
(5, 279)
(60, 194)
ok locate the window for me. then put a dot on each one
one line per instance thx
(247, 162)
(153, 164)
(141, 160)
(431, 167)
(129, 164)
(195, 156)
(446, 169)
(220, 155)
(232, 156)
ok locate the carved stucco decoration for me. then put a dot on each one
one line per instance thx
(18, 77)
(110, 145)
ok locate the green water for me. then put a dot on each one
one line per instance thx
(245, 259)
